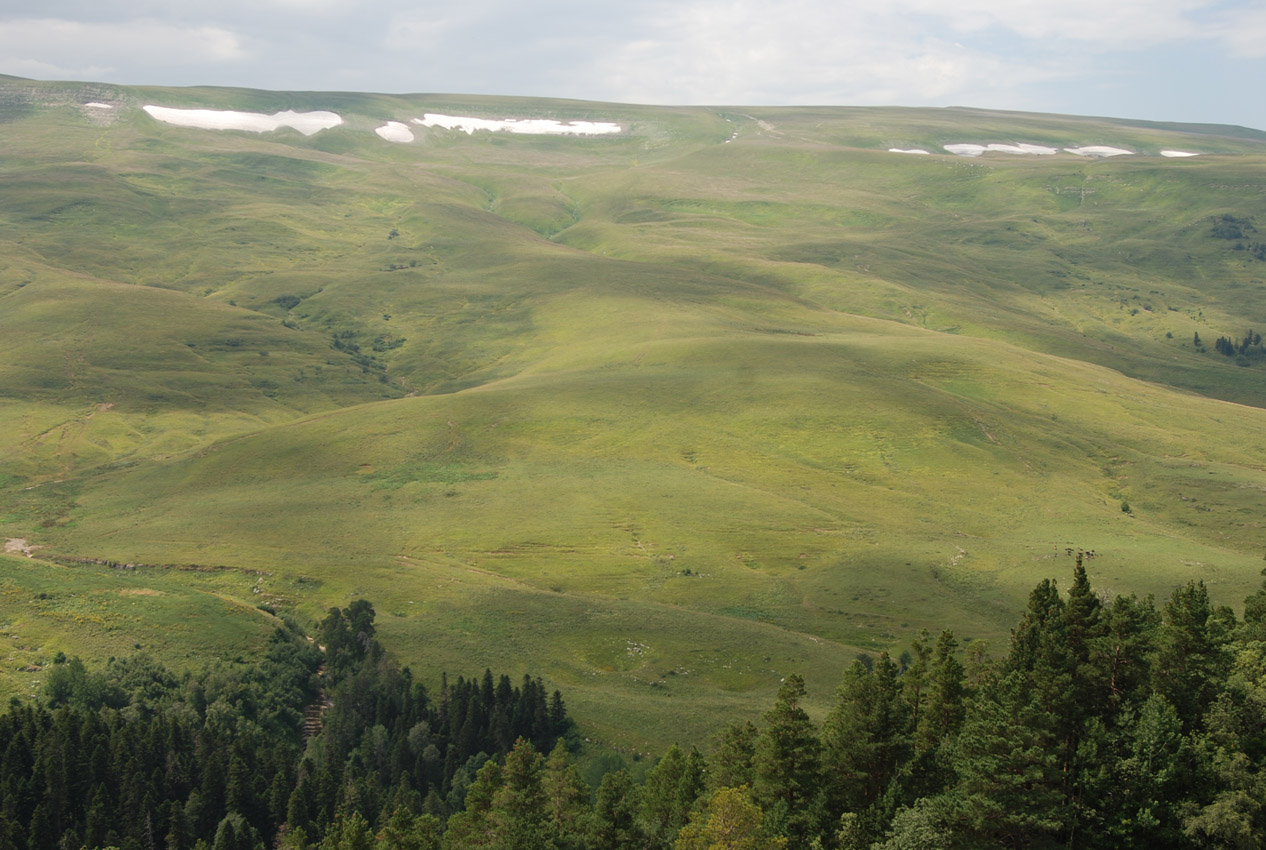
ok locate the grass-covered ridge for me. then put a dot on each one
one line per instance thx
(664, 415)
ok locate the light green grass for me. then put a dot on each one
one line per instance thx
(182, 619)
(658, 417)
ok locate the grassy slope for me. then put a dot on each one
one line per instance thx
(184, 619)
(685, 415)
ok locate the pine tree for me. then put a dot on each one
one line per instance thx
(866, 736)
(787, 766)
(1008, 763)
(669, 792)
(567, 797)
(406, 832)
(732, 763)
(39, 833)
(349, 832)
(1143, 780)
(1189, 654)
(178, 837)
(1125, 649)
(472, 827)
(729, 821)
(614, 824)
(519, 816)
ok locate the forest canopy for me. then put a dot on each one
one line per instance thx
(1108, 722)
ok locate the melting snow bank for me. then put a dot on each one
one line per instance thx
(977, 150)
(533, 126)
(1042, 150)
(1100, 150)
(912, 150)
(394, 131)
(95, 105)
(254, 122)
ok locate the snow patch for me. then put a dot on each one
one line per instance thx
(530, 126)
(1178, 153)
(307, 123)
(394, 131)
(977, 150)
(1100, 150)
(911, 150)
(95, 105)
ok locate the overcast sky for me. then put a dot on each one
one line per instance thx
(1177, 60)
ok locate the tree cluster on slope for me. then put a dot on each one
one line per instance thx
(1107, 724)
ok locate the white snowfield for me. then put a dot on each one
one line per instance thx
(394, 131)
(911, 150)
(1100, 150)
(95, 105)
(1042, 150)
(528, 126)
(307, 123)
(977, 150)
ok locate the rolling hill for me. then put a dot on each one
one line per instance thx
(661, 414)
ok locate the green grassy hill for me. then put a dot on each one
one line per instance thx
(662, 416)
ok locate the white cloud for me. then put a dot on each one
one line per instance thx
(88, 49)
(1118, 22)
(420, 29)
(1243, 31)
(906, 51)
(750, 51)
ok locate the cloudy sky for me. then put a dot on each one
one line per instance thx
(1180, 60)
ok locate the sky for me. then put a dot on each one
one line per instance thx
(1165, 60)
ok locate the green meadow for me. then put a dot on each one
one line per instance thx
(662, 417)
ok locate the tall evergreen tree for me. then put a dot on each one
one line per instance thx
(567, 798)
(787, 766)
(472, 827)
(728, 821)
(866, 740)
(1008, 764)
(1190, 660)
(615, 822)
(519, 816)
(732, 763)
(669, 793)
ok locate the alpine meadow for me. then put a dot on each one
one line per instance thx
(665, 416)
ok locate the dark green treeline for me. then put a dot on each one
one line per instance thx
(135, 758)
(1107, 724)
